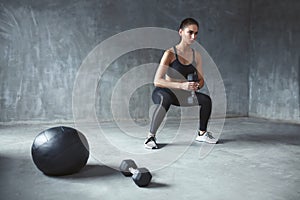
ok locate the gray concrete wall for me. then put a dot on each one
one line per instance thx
(42, 45)
(275, 60)
(254, 43)
(44, 42)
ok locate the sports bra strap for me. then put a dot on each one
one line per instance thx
(193, 56)
(175, 51)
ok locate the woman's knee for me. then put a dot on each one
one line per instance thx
(204, 100)
(162, 98)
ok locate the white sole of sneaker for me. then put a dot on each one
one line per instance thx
(147, 147)
(206, 141)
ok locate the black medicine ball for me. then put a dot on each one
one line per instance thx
(60, 151)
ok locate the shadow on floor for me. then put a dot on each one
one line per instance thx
(5, 163)
(266, 138)
(158, 185)
(162, 145)
(95, 171)
(92, 171)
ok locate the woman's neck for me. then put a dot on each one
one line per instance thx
(183, 47)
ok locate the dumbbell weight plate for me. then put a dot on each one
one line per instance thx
(142, 177)
(125, 165)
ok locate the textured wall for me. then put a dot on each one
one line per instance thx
(44, 42)
(42, 45)
(275, 69)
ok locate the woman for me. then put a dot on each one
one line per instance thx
(174, 85)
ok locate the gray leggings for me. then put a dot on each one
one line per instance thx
(165, 97)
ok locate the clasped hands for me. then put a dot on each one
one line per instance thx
(190, 86)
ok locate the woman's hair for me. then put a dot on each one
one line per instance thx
(188, 21)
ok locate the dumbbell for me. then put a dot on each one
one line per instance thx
(140, 176)
(192, 78)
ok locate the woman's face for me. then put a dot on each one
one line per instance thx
(189, 33)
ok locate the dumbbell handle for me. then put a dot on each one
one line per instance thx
(190, 78)
(132, 170)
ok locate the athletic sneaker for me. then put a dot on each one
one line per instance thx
(206, 137)
(150, 143)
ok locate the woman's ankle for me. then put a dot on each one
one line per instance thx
(151, 135)
(201, 132)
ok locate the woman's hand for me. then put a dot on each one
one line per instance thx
(190, 86)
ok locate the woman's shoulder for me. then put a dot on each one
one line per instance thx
(170, 52)
(197, 54)
(169, 55)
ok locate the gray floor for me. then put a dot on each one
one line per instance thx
(255, 159)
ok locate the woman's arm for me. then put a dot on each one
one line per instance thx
(199, 70)
(160, 79)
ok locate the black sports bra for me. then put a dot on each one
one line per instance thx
(176, 69)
